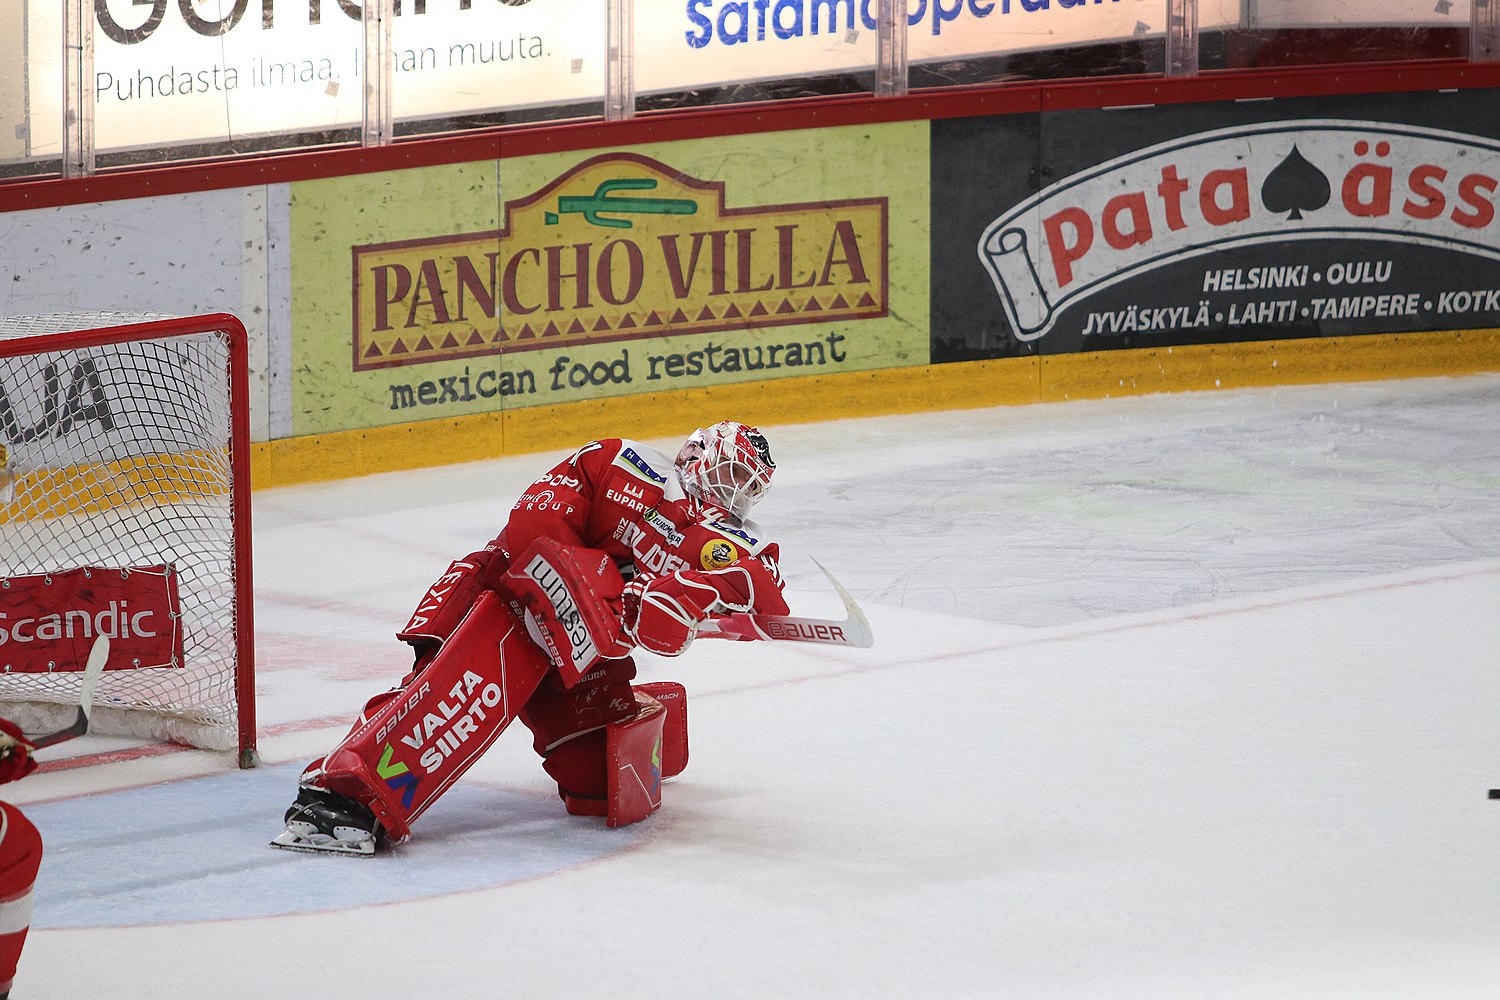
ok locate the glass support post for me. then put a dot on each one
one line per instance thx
(1484, 31)
(619, 61)
(78, 89)
(1182, 38)
(378, 18)
(890, 60)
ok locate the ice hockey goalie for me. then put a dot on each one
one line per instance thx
(613, 549)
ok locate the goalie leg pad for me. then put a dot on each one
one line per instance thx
(633, 754)
(567, 726)
(580, 761)
(406, 754)
(674, 735)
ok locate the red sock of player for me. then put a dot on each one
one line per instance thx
(20, 857)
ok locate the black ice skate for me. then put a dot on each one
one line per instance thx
(325, 821)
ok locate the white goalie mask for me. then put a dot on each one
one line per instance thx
(727, 465)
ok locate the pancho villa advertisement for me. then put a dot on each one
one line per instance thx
(1198, 224)
(453, 290)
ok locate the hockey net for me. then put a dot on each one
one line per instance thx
(124, 511)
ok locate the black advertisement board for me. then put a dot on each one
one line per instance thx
(1216, 222)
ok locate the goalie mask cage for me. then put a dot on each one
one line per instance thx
(124, 463)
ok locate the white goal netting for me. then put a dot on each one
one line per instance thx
(119, 472)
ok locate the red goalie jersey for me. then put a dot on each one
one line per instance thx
(623, 498)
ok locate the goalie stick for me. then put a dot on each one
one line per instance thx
(92, 670)
(853, 630)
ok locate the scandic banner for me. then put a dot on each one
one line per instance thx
(49, 621)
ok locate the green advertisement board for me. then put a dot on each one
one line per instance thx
(454, 290)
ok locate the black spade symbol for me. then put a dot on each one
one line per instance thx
(1295, 186)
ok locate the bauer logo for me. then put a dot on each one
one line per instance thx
(814, 631)
(1238, 187)
(621, 247)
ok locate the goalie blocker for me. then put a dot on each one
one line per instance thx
(412, 744)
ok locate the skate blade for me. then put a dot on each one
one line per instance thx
(289, 840)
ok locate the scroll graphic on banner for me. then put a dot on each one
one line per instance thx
(1017, 282)
(1271, 183)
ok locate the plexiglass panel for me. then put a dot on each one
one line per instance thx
(184, 77)
(1358, 13)
(31, 86)
(488, 62)
(1275, 33)
(173, 79)
(702, 52)
(959, 42)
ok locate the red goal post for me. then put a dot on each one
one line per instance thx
(125, 511)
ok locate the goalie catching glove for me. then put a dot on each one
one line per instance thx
(581, 610)
(663, 614)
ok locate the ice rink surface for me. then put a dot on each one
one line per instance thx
(1187, 696)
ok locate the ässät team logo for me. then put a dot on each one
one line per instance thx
(1238, 187)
